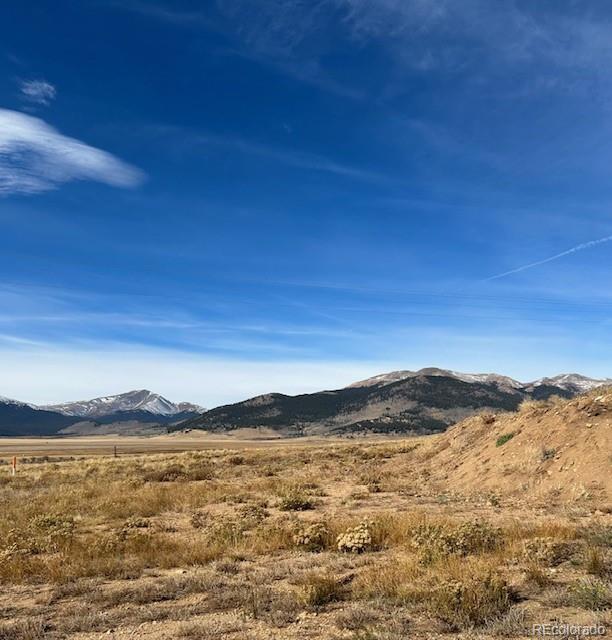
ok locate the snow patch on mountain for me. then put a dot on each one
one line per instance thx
(140, 400)
(18, 403)
(396, 376)
(573, 382)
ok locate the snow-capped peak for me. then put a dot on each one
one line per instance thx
(18, 403)
(573, 382)
(140, 400)
(383, 379)
(396, 376)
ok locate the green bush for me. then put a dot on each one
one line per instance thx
(503, 439)
(591, 593)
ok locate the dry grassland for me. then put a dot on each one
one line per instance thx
(334, 541)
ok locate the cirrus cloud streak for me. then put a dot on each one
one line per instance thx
(35, 157)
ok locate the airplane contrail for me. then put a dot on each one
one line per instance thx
(580, 247)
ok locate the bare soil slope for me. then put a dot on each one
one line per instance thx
(553, 448)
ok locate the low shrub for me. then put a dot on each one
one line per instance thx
(296, 500)
(313, 537)
(134, 527)
(595, 562)
(171, 473)
(597, 534)
(23, 630)
(199, 519)
(356, 618)
(534, 575)
(225, 531)
(548, 551)
(44, 533)
(470, 602)
(319, 589)
(506, 437)
(547, 454)
(252, 514)
(52, 532)
(356, 540)
(435, 540)
(511, 624)
(590, 593)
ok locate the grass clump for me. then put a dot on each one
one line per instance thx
(319, 589)
(296, 500)
(534, 575)
(472, 601)
(590, 593)
(44, 533)
(595, 562)
(512, 624)
(171, 473)
(548, 551)
(356, 618)
(530, 405)
(23, 630)
(598, 535)
(506, 437)
(179, 473)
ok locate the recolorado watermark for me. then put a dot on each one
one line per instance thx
(566, 630)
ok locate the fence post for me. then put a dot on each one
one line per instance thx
(14, 465)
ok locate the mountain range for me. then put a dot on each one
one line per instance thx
(142, 400)
(423, 401)
(134, 411)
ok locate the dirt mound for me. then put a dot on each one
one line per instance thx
(555, 448)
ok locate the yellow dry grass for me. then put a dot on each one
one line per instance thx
(329, 541)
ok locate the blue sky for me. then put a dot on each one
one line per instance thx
(217, 199)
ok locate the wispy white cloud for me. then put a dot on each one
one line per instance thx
(50, 373)
(576, 249)
(35, 157)
(507, 32)
(562, 47)
(272, 33)
(298, 159)
(192, 138)
(425, 35)
(164, 12)
(38, 91)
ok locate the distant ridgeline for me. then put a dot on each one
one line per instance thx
(132, 412)
(407, 402)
